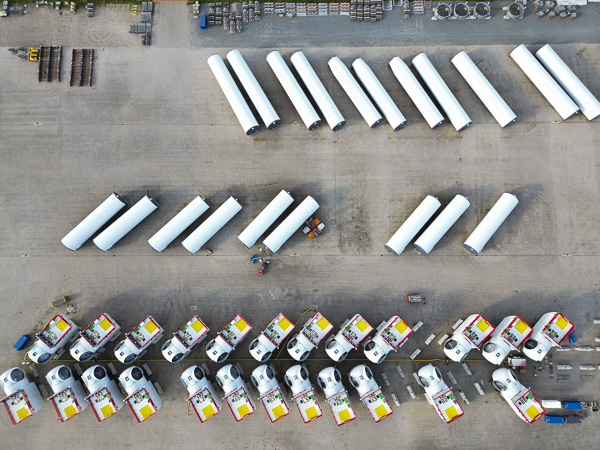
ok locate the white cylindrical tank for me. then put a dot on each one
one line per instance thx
(355, 92)
(412, 225)
(417, 94)
(490, 223)
(252, 87)
(542, 80)
(293, 90)
(124, 224)
(212, 225)
(442, 223)
(93, 222)
(234, 96)
(265, 219)
(314, 85)
(441, 92)
(297, 217)
(379, 94)
(589, 105)
(484, 89)
(177, 225)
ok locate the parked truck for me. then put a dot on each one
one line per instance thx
(506, 338)
(550, 331)
(352, 332)
(138, 340)
(91, 341)
(142, 396)
(519, 398)
(69, 397)
(104, 395)
(203, 396)
(468, 336)
(313, 332)
(391, 335)
(50, 341)
(180, 345)
(336, 395)
(227, 340)
(236, 392)
(269, 340)
(23, 398)
(303, 392)
(438, 394)
(361, 377)
(270, 392)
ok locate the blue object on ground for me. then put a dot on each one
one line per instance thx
(22, 342)
(554, 419)
(572, 405)
(572, 337)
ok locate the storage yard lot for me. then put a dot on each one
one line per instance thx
(156, 122)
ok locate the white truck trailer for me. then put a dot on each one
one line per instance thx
(269, 392)
(507, 337)
(69, 397)
(336, 395)
(227, 340)
(550, 331)
(265, 219)
(303, 392)
(203, 396)
(137, 341)
(313, 332)
(23, 398)
(55, 335)
(104, 395)
(142, 397)
(391, 335)
(270, 339)
(438, 394)
(361, 377)
(471, 334)
(352, 332)
(184, 339)
(236, 392)
(290, 224)
(91, 341)
(519, 398)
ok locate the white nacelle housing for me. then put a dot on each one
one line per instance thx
(290, 224)
(542, 80)
(439, 394)
(468, 336)
(507, 337)
(488, 95)
(142, 397)
(69, 396)
(212, 225)
(93, 339)
(236, 392)
(296, 377)
(379, 94)
(202, 394)
(417, 94)
(23, 399)
(124, 224)
(441, 92)
(178, 224)
(269, 392)
(412, 225)
(355, 92)
(581, 95)
(104, 396)
(442, 223)
(317, 91)
(490, 223)
(330, 380)
(184, 340)
(93, 222)
(271, 338)
(548, 332)
(361, 377)
(519, 398)
(313, 332)
(137, 341)
(227, 340)
(265, 219)
(352, 332)
(234, 96)
(57, 333)
(391, 335)
(293, 90)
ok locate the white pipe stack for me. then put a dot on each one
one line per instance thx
(483, 89)
(252, 87)
(124, 224)
(293, 90)
(212, 225)
(379, 94)
(265, 219)
(589, 105)
(355, 92)
(490, 223)
(442, 223)
(542, 80)
(417, 94)
(314, 85)
(93, 222)
(234, 96)
(412, 225)
(291, 223)
(178, 224)
(441, 92)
